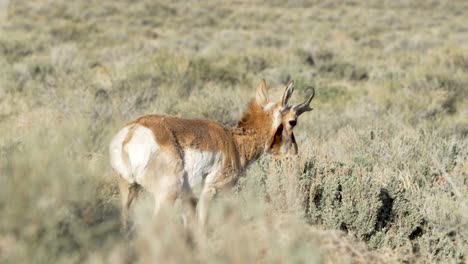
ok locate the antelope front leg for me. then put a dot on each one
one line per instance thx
(206, 196)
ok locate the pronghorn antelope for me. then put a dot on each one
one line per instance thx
(171, 157)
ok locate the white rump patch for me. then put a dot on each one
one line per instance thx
(200, 166)
(139, 150)
(115, 152)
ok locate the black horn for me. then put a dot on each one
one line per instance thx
(287, 93)
(304, 107)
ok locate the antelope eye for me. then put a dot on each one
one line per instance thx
(292, 122)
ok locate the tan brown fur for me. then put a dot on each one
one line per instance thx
(251, 133)
(264, 127)
(177, 134)
(240, 145)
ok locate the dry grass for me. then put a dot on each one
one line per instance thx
(382, 175)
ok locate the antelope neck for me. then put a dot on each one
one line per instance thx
(250, 144)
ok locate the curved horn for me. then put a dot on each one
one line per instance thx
(287, 93)
(304, 107)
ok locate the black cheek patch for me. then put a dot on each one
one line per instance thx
(278, 136)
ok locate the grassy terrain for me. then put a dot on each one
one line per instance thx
(382, 174)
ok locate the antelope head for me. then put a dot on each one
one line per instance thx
(281, 140)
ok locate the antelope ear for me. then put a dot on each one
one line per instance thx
(262, 94)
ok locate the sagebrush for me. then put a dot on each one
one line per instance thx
(382, 174)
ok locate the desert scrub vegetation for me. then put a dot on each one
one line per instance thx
(382, 174)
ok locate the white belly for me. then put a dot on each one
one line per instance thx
(133, 160)
(201, 166)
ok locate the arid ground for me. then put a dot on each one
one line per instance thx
(382, 174)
